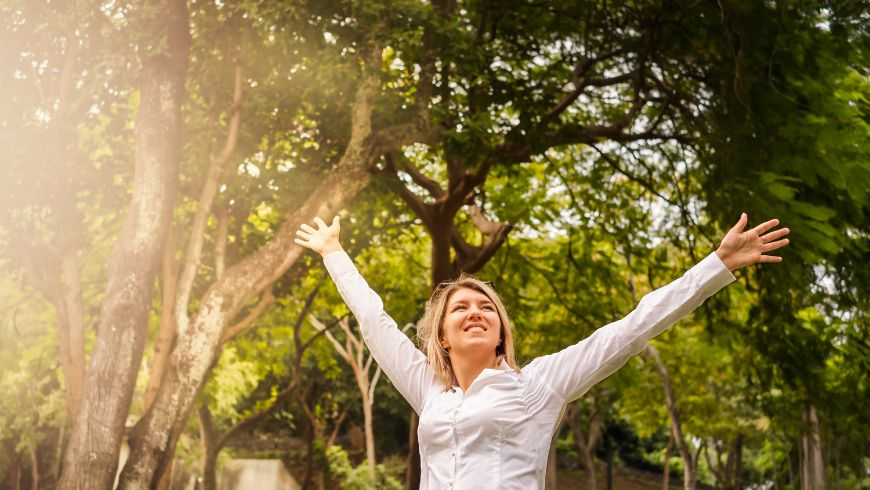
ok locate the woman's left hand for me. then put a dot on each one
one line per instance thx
(741, 248)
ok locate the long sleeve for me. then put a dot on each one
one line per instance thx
(572, 371)
(399, 358)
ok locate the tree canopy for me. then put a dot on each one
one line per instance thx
(158, 156)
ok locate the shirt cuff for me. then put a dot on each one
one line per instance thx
(338, 263)
(719, 274)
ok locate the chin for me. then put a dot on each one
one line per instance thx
(478, 346)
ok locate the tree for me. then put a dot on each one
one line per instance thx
(534, 143)
(353, 353)
(91, 457)
(799, 104)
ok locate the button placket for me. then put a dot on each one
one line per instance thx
(455, 438)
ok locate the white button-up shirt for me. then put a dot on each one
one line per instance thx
(497, 434)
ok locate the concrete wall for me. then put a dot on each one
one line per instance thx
(256, 474)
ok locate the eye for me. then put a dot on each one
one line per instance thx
(488, 308)
(458, 308)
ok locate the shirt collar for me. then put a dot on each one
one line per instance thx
(503, 367)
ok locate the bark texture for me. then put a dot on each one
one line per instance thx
(213, 442)
(176, 291)
(690, 459)
(812, 462)
(166, 334)
(92, 455)
(153, 439)
(586, 440)
(72, 329)
(551, 480)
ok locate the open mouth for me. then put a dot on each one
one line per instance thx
(474, 327)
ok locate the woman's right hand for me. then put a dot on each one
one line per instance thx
(323, 239)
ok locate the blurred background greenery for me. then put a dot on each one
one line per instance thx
(576, 153)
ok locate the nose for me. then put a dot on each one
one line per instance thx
(474, 311)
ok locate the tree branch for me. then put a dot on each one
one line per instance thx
(266, 299)
(481, 222)
(166, 334)
(320, 327)
(634, 178)
(209, 189)
(220, 246)
(417, 205)
(418, 177)
(548, 277)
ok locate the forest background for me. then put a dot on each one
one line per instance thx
(157, 157)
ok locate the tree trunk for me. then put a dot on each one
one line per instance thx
(14, 471)
(812, 463)
(353, 353)
(154, 437)
(212, 443)
(442, 269)
(92, 455)
(737, 468)
(209, 448)
(370, 436)
(72, 330)
(314, 471)
(34, 468)
(552, 478)
(666, 474)
(586, 442)
(412, 463)
(589, 464)
(690, 463)
(58, 454)
(166, 334)
(165, 482)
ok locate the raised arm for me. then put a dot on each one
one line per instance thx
(572, 371)
(400, 360)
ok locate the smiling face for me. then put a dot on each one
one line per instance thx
(488, 338)
(471, 324)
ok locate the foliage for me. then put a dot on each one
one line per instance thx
(759, 106)
(358, 478)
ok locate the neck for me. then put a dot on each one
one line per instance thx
(467, 367)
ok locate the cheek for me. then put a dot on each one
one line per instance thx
(495, 320)
(451, 321)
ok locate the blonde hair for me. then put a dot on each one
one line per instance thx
(430, 327)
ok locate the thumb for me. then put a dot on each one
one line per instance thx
(741, 223)
(335, 221)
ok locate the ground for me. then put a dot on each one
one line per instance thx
(623, 479)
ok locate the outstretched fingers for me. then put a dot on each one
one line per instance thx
(770, 258)
(776, 234)
(321, 238)
(763, 227)
(303, 238)
(741, 224)
(305, 242)
(767, 247)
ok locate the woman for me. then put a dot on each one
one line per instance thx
(485, 422)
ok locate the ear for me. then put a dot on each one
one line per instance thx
(444, 343)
